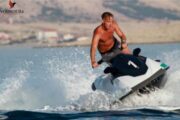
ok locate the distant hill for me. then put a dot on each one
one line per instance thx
(90, 10)
(140, 9)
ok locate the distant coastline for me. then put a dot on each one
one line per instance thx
(77, 44)
(74, 44)
(137, 32)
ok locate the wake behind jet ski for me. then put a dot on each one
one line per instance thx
(130, 73)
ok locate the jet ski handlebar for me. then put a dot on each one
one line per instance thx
(100, 61)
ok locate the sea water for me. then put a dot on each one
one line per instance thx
(55, 83)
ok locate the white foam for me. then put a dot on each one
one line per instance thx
(67, 86)
(167, 96)
(10, 88)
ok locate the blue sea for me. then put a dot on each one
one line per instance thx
(55, 84)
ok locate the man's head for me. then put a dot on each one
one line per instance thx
(107, 18)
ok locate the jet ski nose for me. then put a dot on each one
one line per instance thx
(93, 87)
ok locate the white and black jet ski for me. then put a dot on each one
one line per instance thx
(131, 73)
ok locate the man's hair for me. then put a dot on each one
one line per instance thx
(106, 14)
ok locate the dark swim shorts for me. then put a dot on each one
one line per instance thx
(115, 50)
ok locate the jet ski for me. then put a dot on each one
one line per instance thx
(131, 73)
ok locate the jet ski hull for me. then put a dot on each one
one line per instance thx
(129, 84)
(157, 80)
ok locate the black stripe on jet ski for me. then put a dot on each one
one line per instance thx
(145, 83)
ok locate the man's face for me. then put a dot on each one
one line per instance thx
(107, 22)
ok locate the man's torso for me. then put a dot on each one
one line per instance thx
(106, 41)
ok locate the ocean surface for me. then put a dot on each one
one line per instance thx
(55, 84)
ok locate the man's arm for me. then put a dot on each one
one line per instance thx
(94, 45)
(124, 45)
(119, 32)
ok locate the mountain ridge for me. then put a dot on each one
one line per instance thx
(90, 11)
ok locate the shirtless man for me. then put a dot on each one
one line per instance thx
(104, 40)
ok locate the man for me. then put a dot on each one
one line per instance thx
(104, 40)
